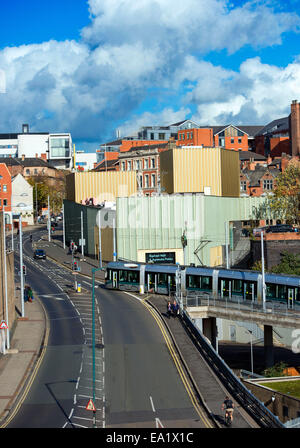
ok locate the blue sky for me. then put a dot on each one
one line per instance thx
(91, 67)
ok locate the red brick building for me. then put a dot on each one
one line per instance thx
(259, 181)
(145, 161)
(5, 188)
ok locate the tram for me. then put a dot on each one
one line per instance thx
(212, 282)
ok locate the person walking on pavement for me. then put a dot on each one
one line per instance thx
(169, 309)
(175, 308)
(30, 294)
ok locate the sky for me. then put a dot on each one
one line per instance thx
(94, 67)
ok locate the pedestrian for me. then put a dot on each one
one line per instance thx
(26, 293)
(169, 309)
(30, 294)
(175, 308)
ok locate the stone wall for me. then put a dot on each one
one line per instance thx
(273, 250)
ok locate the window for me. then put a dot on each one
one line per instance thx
(35, 171)
(191, 135)
(239, 140)
(28, 171)
(151, 136)
(152, 163)
(129, 165)
(232, 140)
(5, 188)
(153, 180)
(141, 182)
(243, 185)
(123, 166)
(268, 184)
(59, 147)
(138, 164)
(146, 164)
(146, 181)
(285, 411)
(4, 202)
(161, 136)
(187, 135)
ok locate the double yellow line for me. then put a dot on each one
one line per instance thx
(178, 365)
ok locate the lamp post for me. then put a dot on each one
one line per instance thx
(251, 349)
(5, 281)
(263, 271)
(94, 270)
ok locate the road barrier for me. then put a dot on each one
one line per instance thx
(258, 411)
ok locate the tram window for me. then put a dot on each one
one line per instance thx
(162, 279)
(123, 276)
(133, 277)
(206, 283)
(271, 291)
(281, 292)
(193, 281)
(237, 287)
(297, 296)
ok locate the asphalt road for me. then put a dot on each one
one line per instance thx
(138, 384)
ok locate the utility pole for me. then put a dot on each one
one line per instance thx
(82, 243)
(64, 235)
(226, 244)
(21, 265)
(114, 237)
(263, 271)
(49, 221)
(5, 281)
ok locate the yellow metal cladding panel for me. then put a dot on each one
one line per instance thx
(106, 186)
(216, 256)
(230, 166)
(196, 168)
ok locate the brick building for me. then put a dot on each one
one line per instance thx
(5, 188)
(259, 181)
(145, 161)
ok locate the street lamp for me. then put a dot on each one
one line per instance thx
(263, 271)
(251, 348)
(94, 270)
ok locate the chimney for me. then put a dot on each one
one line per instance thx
(44, 156)
(36, 156)
(25, 128)
(295, 128)
(23, 157)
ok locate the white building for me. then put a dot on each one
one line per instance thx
(57, 147)
(22, 199)
(85, 160)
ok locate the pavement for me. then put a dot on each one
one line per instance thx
(29, 336)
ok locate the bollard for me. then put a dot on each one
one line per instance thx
(78, 287)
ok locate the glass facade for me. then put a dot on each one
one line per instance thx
(60, 147)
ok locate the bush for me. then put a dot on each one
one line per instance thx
(276, 370)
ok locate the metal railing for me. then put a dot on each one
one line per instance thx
(258, 411)
(205, 299)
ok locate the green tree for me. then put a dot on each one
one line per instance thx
(276, 370)
(257, 266)
(290, 264)
(285, 203)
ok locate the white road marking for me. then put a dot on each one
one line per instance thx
(152, 404)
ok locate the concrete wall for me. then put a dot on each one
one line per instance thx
(264, 394)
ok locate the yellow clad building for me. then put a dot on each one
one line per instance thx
(195, 169)
(100, 186)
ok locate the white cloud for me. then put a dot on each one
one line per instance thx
(133, 48)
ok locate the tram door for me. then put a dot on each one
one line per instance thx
(152, 282)
(171, 283)
(226, 288)
(291, 297)
(249, 293)
(115, 279)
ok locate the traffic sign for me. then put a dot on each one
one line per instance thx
(90, 406)
(3, 325)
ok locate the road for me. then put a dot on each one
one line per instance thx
(137, 382)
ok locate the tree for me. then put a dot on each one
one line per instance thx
(290, 265)
(42, 188)
(285, 203)
(276, 370)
